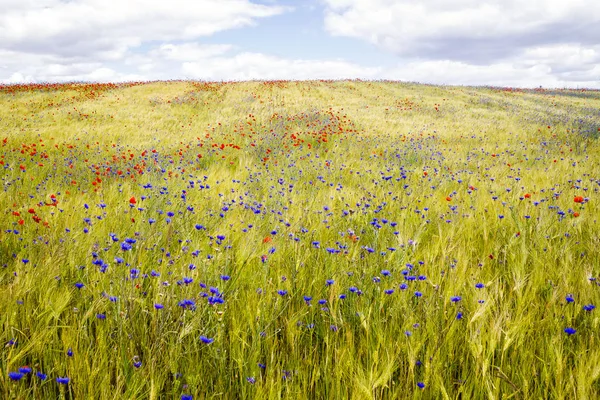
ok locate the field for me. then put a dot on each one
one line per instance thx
(322, 239)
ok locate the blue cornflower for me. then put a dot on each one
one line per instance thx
(403, 286)
(569, 298)
(570, 331)
(63, 380)
(70, 352)
(41, 375)
(206, 340)
(479, 285)
(389, 291)
(589, 307)
(455, 299)
(101, 316)
(225, 277)
(79, 285)
(25, 370)
(187, 397)
(282, 292)
(459, 315)
(418, 294)
(385, 272)
(158, 306)
(251, 380)
(125, 246)
(15, 376)
(421, 385)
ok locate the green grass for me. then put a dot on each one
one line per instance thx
(342, 181)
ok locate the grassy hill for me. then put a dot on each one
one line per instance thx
(323, 239)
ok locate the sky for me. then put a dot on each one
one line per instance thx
(513, 43)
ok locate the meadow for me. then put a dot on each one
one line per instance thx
(293, 240)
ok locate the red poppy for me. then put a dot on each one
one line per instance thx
(132, 200)
(578, 199)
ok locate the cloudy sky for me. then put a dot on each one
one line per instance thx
(466, 42)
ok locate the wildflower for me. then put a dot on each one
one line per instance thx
(589, 307)
(569, 298)
(418, 294)
(15, 376)
(251, 380)
(282, 292)
(479, 285)
(63, 381)
(570, 331)
(25, 370)
(158, 306)
(70, 352)
(187, 397)
(206, 340)
(459, 315)
(455, 299)
(421, 385)
(578, 199)
(41, 375)
(79, 285)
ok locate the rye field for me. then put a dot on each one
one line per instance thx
(296, 240)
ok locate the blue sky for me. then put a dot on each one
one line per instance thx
(546, 43)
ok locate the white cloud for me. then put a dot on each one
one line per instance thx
(260, 66)
(107, 28)
(464, 30)
(486, 42)
(189, 51)
(496, 42)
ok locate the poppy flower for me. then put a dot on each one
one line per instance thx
(578, 199)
